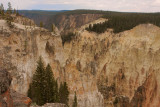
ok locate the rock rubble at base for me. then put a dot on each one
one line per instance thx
(9, 97)
(52, 105)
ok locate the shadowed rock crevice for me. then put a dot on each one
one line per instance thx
(5, 81)
(145, 94)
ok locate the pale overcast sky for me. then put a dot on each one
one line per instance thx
(112, 5)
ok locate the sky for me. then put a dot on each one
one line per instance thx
(109, 5)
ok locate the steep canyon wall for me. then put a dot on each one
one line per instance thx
(105, 70)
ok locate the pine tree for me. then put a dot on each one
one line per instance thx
(1, 9)
(53, 28)
(63, 93)
(9, 10)
(66, 93)
(15, 12)
(50, 85)
(56, 92)
(29, 93)
(90, 26)
(44, 88)
(38, 84)
(41, 24)
(9, 21)
(75, 100)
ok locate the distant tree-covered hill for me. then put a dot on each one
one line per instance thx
(39, 15)
(119, 21)
(54, 17)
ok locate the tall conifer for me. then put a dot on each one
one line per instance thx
(38, 84)
(64, 93)
(9, 10)
(50, 85)
(56, 92)
(75, 100)
(41, 24)
(44, 88)
(1, 9)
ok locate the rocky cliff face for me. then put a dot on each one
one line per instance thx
(66, 22)
(61, 20)
(8, 97)
(124, 67)
(130, 67)
(105, 70)
(20, 50)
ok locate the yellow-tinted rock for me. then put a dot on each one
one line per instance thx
(103, 69)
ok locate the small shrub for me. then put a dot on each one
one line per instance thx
(67, 36)
(115, 101)
(9, 21)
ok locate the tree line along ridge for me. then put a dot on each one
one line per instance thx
(120, 22)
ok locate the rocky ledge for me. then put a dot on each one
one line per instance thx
(9, 97)
(52, 105)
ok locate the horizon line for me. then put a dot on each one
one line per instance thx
(83, 9)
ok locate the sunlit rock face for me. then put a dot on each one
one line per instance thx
(105, 70)
(119, 64)
(22, 46)
(129, 71)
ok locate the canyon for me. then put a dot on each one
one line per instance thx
(105, 70)
(63, 21)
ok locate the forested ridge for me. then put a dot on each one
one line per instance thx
(120, 22)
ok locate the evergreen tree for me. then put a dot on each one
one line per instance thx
(90, 26)
(29, 93)
(38, 84)
(9, 21)
(56, 92)
(66, 93)
(15, 12)
(41, 24)
(1, 9)
(75, 100)
(9, 10)
(63, 93)
(50, 85)
(53, 28)
(44, 88)
(67, 36)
